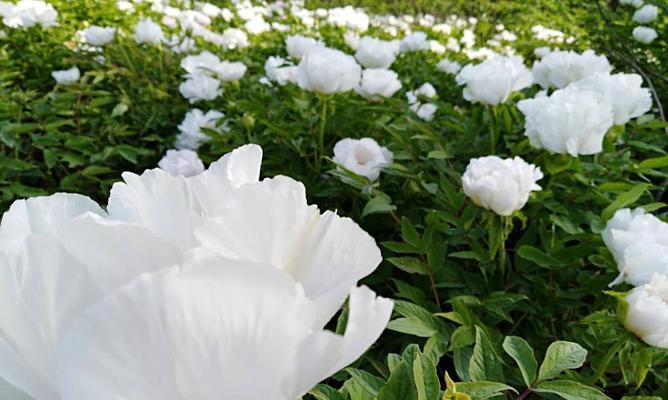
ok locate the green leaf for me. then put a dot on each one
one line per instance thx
(625, 199)
(411, 265)
(426, 380)
(537, 256)
(483, 390)
(559, 357)
(555, 163)
(485, 364)
(400, 386)
(324, 392)
(409, 233)
(657, 162)
(366, 380)
(570, 390)
(399, 247)
(412, 326)
(522, 353)
(378, 204)
(438, 155)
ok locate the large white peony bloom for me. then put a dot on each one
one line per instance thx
(644, 34)
(500, 185)
(364, 156)
(646, 14)
(647, 313)
(570, 121)
(376, 53)
(207, 330)
(378, 83)
(161, 233)
(560, 68)
(622, 91)
(328, 71)
(190, 130)
(493, 80)
(639, 243)
(298, 46)
(147, 31)
(99, 35)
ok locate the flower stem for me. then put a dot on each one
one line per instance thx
(320, 152)
(524, 394)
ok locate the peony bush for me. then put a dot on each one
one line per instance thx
(250, 200)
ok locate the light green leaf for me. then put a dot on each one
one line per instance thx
(369, 382)
(426, 380)
(570, 390)
(559, 357)
(625, 199)
(485, 364)
(483, 390)
(378, 204)
(522, 353)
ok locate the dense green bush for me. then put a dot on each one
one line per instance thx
(479, 297)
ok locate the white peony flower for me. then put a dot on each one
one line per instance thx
(298, 46)
(644, 34)
(203, 63)
(147, 31)
(647, 313)
(352, 39)
(426, 91)
(28, 13)
(99, 35)
(328, 71)
(450, 67)
(66, 76)
(646, 14)
(181, 162)
(500, 185)
(639, 243)
(570, 121)
(492, 81)
(190, 130)
(217, 321)
(200, 87)
(424, 111)
(416, 41)
(230, 71)
(348, 17)
(234, 38)
(560, 68)
(376, 53)
(78, 262)
(278, 70)
(622, 91)
(257, 26)
(378, 83)
(364, 156)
